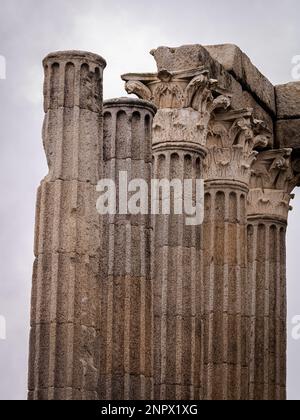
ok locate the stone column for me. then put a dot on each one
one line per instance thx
(272, 182)
(64, 341)
(179, 140)
(226, 313)
(126, 316)
(177, 260)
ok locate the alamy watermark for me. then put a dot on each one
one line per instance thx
(296, 67)
(2, 328)
(296, 327)
(167, 197)
(2, 67)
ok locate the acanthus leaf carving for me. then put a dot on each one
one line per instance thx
(198, 91)
(272, 182)
(262, 134)
(191, 88)
(231, 145)
(273, 170)
(181, 127)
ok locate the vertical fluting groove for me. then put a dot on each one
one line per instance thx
(54, 84)
(225, 300)
(196, 173)
(59, 141)
(142, 334)
(37, 360)
(283, 289)
(71, 299)
(253, 273)
(266, 314)
(179, 164)
(76, 137)
(161, 276)
(163, 173)
(127, 308)
(69, 85)
(211, 296)
(163, 350)
(110, 310)
(239, 244)
(193, 372)
(54, 289)
(278, 316)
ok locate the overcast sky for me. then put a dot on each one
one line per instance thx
(123, 32)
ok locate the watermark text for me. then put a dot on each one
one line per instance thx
(2, 328)
(167, 197)
(296, 67)
(2, 67)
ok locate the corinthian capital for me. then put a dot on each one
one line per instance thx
(180, 128)
(178, 89)
(272, 182)
(233, 138)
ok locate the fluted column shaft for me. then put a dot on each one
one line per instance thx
(178, 252)
(272, 182)
(225, 319)
(267, 276)
(64, 342)
(126, 315)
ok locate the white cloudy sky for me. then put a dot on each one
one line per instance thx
(123, 32)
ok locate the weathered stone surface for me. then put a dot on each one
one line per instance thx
(231, 142)
(126, 324)
(72, 139)
(225, 292)
(288, 100)
(288, 133)
(180, 58)
(259, 113)
(64, 351)
(131, 120)
(266, 252)
(179, 68)
(233, 135)
(230, 56)
(68, 364)
(240, 66)
(73, 79)
(178, 149)
(129, 306)
(272, 182)
(72, 130)
(184, 126)
(67, 218)
(220, 59)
